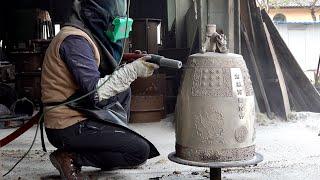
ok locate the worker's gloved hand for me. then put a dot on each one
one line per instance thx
(121, 79)
(143, 68)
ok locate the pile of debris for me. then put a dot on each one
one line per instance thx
(13, 112)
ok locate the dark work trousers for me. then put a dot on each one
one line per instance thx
(98, 144)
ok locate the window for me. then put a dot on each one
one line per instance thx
(279, 18)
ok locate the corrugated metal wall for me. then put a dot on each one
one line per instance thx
(303, 39)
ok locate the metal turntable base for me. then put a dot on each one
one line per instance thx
(215, 167)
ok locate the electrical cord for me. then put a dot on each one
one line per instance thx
(71, 101)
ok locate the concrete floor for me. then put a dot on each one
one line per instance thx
(291, 150)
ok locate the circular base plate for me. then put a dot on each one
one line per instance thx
(255, 160)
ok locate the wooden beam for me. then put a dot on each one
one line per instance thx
(258, 87)
(230, 29)
(265, 64)
(237, 33)
(282, 83)
(182, 7)
(202, 14)
(246, 19)
(226, 15)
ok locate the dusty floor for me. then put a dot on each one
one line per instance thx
(291, 150)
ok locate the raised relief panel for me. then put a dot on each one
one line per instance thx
(212, 82)
(208, 124)
(241, 134)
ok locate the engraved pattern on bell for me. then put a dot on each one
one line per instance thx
(211, 83)
(209, 126)
(241, 134)
(207, 155)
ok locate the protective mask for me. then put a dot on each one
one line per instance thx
(119, 29)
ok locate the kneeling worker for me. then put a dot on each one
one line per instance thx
(81, 58)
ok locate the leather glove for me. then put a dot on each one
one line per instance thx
(121, 79)
(143, 68)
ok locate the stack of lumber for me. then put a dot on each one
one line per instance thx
(279, 83)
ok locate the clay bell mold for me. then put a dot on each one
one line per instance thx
(215, 109)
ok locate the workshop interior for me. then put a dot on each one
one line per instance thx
(220, 63)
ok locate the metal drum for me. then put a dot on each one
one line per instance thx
(148, 102)
(215, 110)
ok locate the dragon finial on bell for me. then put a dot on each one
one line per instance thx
(214, 42)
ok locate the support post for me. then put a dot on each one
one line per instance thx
(215, 173)
(226, 15)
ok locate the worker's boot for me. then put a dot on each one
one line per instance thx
(65, 163)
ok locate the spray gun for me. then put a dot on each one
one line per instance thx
(156, 59)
